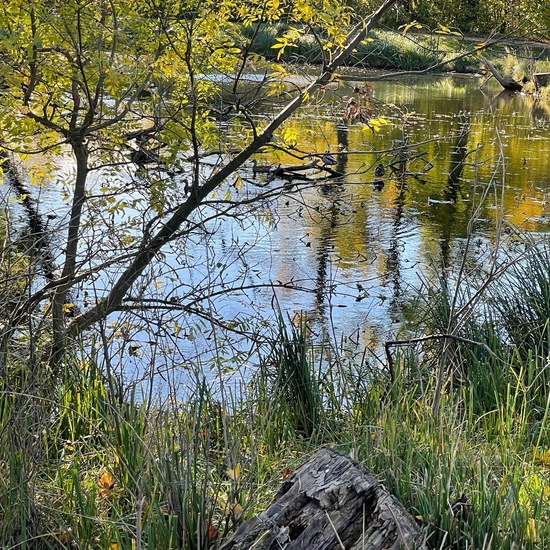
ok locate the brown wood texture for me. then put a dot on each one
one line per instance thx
(330, 503)
(505, 81)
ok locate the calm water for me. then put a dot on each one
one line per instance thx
(348, 251)
(363, 244)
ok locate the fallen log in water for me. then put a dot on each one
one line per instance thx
(505, 81)
(330, 503)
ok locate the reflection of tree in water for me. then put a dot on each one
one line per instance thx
(457, 160)
(328, 224)
(393, 261)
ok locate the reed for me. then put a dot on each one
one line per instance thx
(100, 471)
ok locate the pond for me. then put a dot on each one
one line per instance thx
(363, 242)
(344, 252)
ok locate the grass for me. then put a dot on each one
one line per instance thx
(81, 467)
(390, 50)
(170, 479)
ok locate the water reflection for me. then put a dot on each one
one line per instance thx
(347, 250)
(455, 151)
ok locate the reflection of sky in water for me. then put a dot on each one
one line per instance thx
(355, 250)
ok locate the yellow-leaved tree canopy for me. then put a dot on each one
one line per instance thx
(90, 89)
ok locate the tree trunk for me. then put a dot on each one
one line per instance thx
(505, 81)
(330, 503)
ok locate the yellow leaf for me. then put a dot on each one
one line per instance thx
(106, 481)
(543, 457)
(290, 136)
(531, 530)
(413, 24)
(235, 473)
(158, 284)
(481, 47)
(68, 308)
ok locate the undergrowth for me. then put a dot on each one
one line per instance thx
(81, 467)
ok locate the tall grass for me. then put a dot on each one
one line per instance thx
(88, 469)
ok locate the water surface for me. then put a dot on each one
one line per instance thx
(346, 252)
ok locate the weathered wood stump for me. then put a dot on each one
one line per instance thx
(330, 503)
(506, 82)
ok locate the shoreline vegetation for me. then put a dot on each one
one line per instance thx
(458, 430)
(390, 51)
(106, 470)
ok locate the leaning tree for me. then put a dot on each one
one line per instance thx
(113, 85)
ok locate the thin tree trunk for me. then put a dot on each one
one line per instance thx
(60, 296)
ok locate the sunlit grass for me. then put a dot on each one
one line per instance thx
(392, 50)
(84, 468)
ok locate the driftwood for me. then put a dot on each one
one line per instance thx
(330, 503)
(505, 81)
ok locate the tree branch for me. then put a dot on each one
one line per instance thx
(114, 298)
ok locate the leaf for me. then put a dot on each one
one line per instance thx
(212, 533)
(531, 530)
(68, 308)
(158, 284)
(290, 136)
(106, 481)
(481, 47)
(133, 350)
(543, 457)
(413, 24)
(236, 511)
(235, 473)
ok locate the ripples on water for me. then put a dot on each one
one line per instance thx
(356, 247)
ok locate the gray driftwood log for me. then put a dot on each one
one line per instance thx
(330, 503)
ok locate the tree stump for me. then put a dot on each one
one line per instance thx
(505, 81)
(330, 503)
